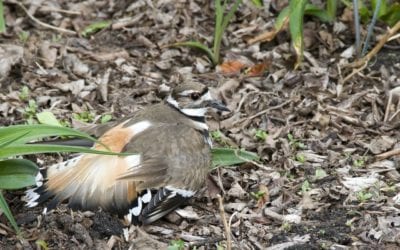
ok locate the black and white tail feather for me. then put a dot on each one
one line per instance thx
(149, 206)
(154, 204)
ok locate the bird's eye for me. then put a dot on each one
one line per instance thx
(195, 96)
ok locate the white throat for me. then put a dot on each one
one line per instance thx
(200, 112)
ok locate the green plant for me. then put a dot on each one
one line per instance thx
(305, 187)
(48, 118)
(286, 226)
(94, 27)
(363, 196)
(294, 14)
(358, 163)
(258, 3)
(320, 174)
(24, 93)
(85, 116)
(30, 112)
(295, 143)
(176, 245)
(23, 36)
(258, 195)
(301, 158)
(261, 135)
(221, 22)
(387, 11)
(105, 118)
(2, 22)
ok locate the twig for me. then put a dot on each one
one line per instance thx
(261, 112)
(388, 154)
(377, 47)
(62, 30)
(226, 226)
(355, 71)
(52, 9)
(394, 37)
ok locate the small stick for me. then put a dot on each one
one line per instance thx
(388, 154)
(70, 32)
(262, 112)
(226, 226)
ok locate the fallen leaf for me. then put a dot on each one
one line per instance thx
(257, 70)
(231, 67)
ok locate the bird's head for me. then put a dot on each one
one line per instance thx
(194, 99)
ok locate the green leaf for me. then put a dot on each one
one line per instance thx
(313, 10)
(383, 9)
(393, 14)
(48, 118)
(105, 118)
(320, 173)
(8, 139)
(200, 46)
(282, 19)
(258, 3)
(26, 149)
(229, 156)
(296, 16)
(42, 244)
(176, 245)
(331, 8)
(221, 22)
(17, 173)
(35, 132)
(2, 21)
(7, 212)
(94, 27)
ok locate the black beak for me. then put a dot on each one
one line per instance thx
(218, 105)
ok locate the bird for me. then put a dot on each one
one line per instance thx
(169, 155)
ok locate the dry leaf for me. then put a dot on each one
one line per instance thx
(257, 70)
(231, 67)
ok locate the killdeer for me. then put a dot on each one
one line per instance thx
(172, 157)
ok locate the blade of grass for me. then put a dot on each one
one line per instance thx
(2, 21)
(221, 23)
(200, 46)
(318, 12)
(297, 8)
(35, 132)
(331, 8)
(7, 212)
(94, 27)
(23, 149)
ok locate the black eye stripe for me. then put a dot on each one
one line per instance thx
(204, 91)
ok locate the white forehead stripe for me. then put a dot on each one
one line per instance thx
(187, 92)
(206, 96)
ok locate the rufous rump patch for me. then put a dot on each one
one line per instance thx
(115, 139)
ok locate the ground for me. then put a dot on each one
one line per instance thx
(322, 180)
